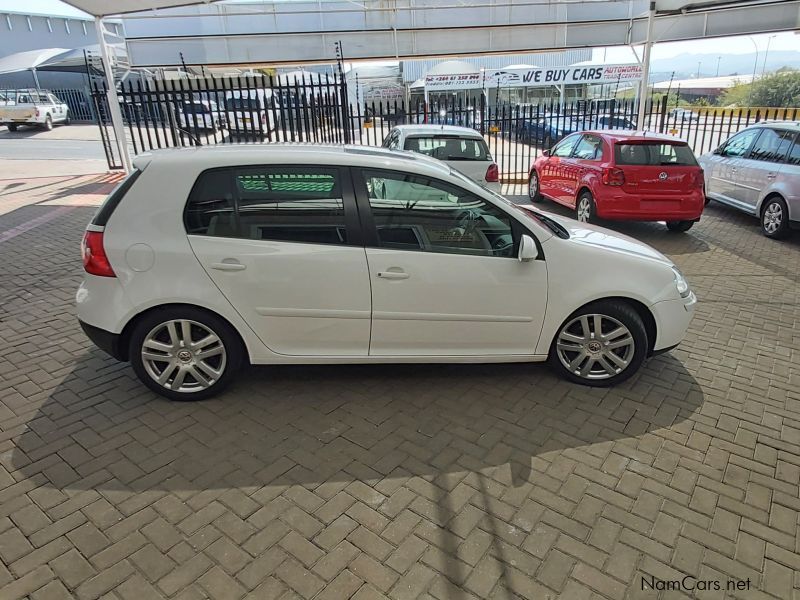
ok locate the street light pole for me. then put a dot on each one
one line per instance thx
(699, 62)
(719, 58)
(755, 68)
(766, 55)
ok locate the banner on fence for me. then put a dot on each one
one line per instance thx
(535, 77)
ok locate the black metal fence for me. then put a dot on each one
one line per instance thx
(265, 109)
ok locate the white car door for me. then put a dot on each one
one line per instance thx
(282, 244)
(444, 270)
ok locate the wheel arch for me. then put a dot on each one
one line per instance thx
(127, 331)
(768, 196)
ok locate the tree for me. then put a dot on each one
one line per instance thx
(775, 90)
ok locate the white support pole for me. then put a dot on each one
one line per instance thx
(648, 46)
(113, 98)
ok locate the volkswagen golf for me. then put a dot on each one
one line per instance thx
(205, 259)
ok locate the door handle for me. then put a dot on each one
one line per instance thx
(770, 175)
(226, 265)
(393, 275)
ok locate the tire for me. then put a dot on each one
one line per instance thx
(217, 369)
(48, 123)
(679, 226)
(533, 187)
(12, 126)
(585, 208)
(775, 218)
(583, 363)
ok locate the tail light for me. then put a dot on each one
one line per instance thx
(492, 173)
(613, 176)
(95, 261)
(37, 112)
(698, 179)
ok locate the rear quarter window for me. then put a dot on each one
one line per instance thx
(654, 154)
(114, 198)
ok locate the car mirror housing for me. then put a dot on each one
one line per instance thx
(545, 152)
(527, 249)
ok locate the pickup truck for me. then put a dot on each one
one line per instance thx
(32, 107)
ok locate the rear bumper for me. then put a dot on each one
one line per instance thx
(630, 207)
(105, 340)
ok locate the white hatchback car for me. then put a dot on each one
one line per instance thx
(208, 258)
(462, 148)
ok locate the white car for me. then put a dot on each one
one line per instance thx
(200, 114)
(32, 107)
(208, 258)
(460, 147)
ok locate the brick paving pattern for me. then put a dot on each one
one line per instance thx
(412, 481)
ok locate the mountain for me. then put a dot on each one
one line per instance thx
(685, 65)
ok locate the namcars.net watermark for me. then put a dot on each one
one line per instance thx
(690, 583)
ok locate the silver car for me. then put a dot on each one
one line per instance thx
(758, 171)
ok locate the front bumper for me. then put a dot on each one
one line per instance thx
(105, 340)
(672, 320)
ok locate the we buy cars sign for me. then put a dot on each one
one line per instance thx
(574, 75)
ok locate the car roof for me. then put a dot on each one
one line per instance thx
(625, 135)
(277, 153)
(790, 125)
(438, 129)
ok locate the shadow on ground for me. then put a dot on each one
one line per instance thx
(311, 425)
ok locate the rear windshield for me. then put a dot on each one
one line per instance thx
(446, 147)
(654, 153)
(114, 198)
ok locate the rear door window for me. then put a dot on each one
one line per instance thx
(772, 145)
(291, 204)
(654, 154)
(446, 147)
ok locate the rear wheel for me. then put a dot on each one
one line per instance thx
(533, 187)
(601, 344)
(48, 123)
(12, 126)
(67, 119)
(679, 225)
(184, 353)
(585, 210)
(775, 218)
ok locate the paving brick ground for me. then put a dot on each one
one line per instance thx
(401, 481)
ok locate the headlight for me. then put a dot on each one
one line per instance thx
(681, 283)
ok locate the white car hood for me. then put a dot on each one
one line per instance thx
(593, 236)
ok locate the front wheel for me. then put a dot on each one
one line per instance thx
(679, 226)
(775, 218)
(184, 353)
(601, 344)
(585, 210)
(67, 119)
(534, 193)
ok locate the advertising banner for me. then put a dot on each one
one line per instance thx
(535, 77)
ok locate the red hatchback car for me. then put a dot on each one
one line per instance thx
(623, 176)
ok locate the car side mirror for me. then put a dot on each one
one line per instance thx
(527, 249)
(545, 152)
(718, 151)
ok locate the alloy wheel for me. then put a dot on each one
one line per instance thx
(773, 217)
(584, 209)
(533, 185)
(595, 346)
(183, 355)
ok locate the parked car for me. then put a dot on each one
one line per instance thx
(682, 115)
(610, 122)
(287, 253)
(460, 147)
(758, 171)
(623, 176)
(39, 108)
(200, 114)
(547, 130)
(251, 112)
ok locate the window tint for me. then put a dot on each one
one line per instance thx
(739, 144)
(654, 154)
(794, 153)
(418, 213)
(294, 204)
(771, 145)
(589, 148)
(449, 147)
(564, 147)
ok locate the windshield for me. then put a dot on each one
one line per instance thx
(446, 147)
(243, 103)
(654, 153)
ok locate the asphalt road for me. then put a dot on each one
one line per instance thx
(14, 146)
